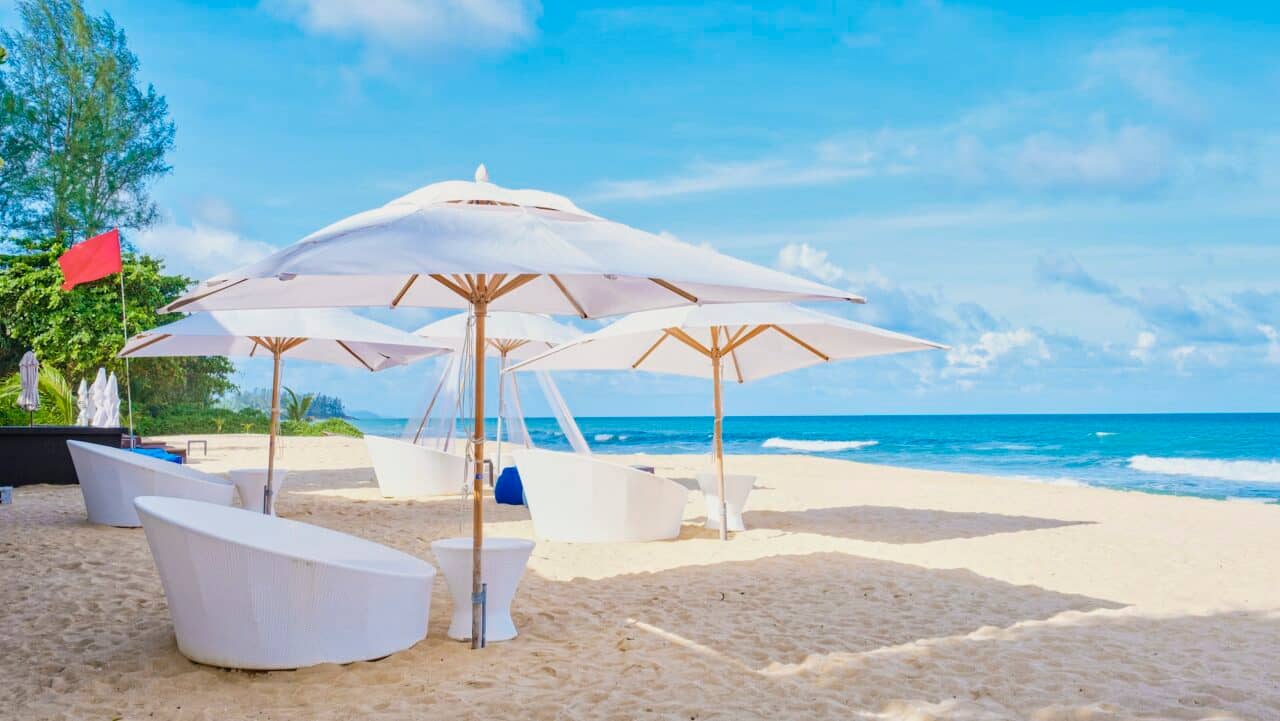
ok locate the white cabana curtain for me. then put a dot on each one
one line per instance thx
(514, 430)
(568, 426)
(436, 423)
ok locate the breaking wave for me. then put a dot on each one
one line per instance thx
(1244, 471)
(817, 446)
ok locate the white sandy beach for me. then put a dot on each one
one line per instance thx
(859, 592)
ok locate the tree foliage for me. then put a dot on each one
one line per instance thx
(79, 330)
(57, 399)
(82, 140)
(296, 407)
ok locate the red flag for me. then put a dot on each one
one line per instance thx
(92, 259)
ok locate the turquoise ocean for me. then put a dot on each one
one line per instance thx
(1235, 456)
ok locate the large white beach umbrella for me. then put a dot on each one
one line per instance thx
(318, 334)
(29, 377)
(479, 246)
(748, 341)
(513, 336)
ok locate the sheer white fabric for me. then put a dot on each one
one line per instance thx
(568, 426)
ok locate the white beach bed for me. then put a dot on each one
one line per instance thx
(252, 591)
(583, 499)
(406, 470)
(110, 478)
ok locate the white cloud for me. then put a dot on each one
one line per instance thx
(1129, 158)
(980, 357)
(199, 250)
(1142, 347)
(414, 25)
(1273, 342)
(806, 258)
(1180, 356)
(708, 177)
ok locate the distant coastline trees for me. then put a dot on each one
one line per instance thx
(83, 142)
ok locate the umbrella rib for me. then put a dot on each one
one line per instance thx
(253, 349)
(347, 348)
(688, 340)
(157, 339)
(404, 289)
(568, 296)
(187, 301)
(516, 282)
(734, 345)
(652, 348)
(737, 370)
(455, 287)
(801, 343)
(678, 291)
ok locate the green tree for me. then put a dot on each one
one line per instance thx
(79, 330)
(84, 143)
(297, 407)
(82, 139)
(57, 398)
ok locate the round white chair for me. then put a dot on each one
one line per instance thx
(251, 484)
(502, 564)
(737, 487)
(110, 478)
(252, 591)
(407, 470)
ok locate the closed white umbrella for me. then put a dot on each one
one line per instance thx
(29, 376)
(113, 401)
(476, 245)
(746, 340)
(98, 396)
(324, 335)
(83, 414)
(512, 336)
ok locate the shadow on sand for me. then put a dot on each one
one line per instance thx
(889, 524)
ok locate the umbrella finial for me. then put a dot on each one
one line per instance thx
(482, 174)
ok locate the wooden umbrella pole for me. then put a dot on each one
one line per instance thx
(719, 433)
(480, 308)
(268, 502)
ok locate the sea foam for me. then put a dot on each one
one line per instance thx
(602, 437)
(1244, 471)
(817, 446)
(1103, 434)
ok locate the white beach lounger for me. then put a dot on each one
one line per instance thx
(406, 470)
(252, 591)
(583, 499)
(110, 478)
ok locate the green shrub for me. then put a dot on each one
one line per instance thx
(329, 426)
(186, 418)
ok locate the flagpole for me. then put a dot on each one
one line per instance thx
(128, 384)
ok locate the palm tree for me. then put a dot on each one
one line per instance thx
(57, 397)
(297, 407)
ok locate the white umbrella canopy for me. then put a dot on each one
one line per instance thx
(746, 341)
(515, 335)
(757, 340)
(332, 336)
(319, 334)
(536, 252)
(487, 248)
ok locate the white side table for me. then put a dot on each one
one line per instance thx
(737, 487)
(251, 484)
(503, 561)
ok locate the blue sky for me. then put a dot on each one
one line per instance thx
(1084, 203)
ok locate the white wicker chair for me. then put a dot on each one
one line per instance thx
(406, 470)
(583, 499)
(110, 478)
(252, 591)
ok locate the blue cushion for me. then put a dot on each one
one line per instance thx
(508, 489)
(159, 453)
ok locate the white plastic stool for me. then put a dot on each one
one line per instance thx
(737, 487)
(503, 561)
(251, 484)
